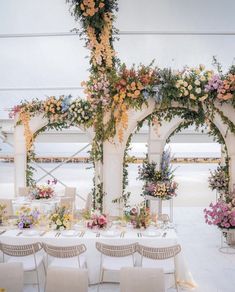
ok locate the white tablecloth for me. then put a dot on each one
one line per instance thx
(184, 276)
(43, 205)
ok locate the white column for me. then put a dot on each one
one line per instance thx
(19, 158)
(112, 177)
(155, 148)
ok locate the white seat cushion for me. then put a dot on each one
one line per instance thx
(68, 262)
(166, 265)
(116, 263)
(27, 261)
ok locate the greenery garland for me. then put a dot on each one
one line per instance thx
(113, 89)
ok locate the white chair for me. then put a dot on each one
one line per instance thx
(68, 203)
(66, 279)
(28, 255)
(160, 257)
(65, 256)
(12, 277)
(115, 257)
(23, 191)
(142, 279)
(70, 192)
(9, 206)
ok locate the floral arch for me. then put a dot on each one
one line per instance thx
(119, 98)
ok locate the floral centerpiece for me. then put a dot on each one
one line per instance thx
(159, 183)
(44, 191)
(27, 217)
(219, 180)
(61, 218)
(222, 214)
(2, 212)
(139, 216)
(97, 220)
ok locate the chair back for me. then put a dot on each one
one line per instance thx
(116, 250)
(66, 279)
(68, 203)
(23, 191)
(158, 253)
(64, 251)
(142, 279)
(9, 207)
(11, 277)
(70, 192)
(20, 250)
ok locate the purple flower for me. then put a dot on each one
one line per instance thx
(21, 225)
(214, 83)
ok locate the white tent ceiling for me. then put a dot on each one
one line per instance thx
(36, 59)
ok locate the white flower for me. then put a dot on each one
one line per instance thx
(190, 87)
(198, 90)
(203, 78)
(186, 92)
(185, 84)
(197, 82)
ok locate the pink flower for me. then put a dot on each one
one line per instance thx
(102, 220)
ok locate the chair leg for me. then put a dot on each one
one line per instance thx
(100, 279)
(38, 280)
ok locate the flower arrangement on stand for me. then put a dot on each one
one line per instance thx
(97, 220)
(139, 216)
(27, 217)
(219, 180)
(44, 191)
(222, 214)
(159, 183)
(61, 218)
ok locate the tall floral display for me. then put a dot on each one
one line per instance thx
(113, 90)
(158, 183)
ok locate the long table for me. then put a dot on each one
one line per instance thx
(89, 238)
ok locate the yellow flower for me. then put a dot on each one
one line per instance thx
(192, 96)
(58, 222)
(202, 67)
(197, 82)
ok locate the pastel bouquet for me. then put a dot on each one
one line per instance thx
(43, 191)
(221, 214)
(97, 220)
(27, 217)
(139, 216)
(159, 183)
(219, 180)
(162, 189)
(61, 218)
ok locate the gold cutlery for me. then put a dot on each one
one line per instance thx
(43, 233)
(3, 231)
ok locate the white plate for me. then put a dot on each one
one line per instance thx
(31, 232)
(68, 233)
(110, 233)
(151, 233)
